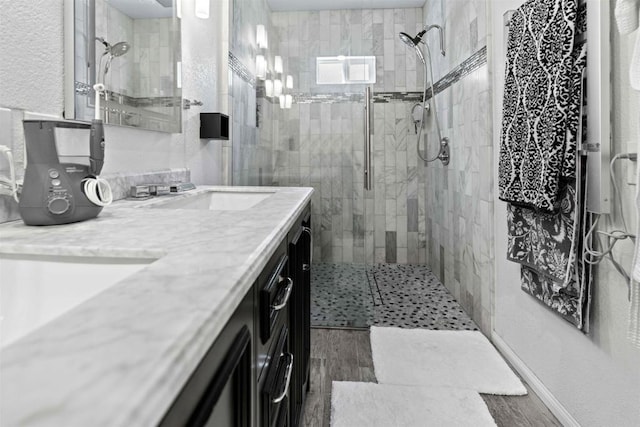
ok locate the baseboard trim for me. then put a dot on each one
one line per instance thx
(536, 385)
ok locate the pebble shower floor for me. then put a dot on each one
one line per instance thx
(401, 295)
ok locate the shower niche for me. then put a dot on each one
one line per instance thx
(134, 49)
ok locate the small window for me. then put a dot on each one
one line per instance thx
(345, 70)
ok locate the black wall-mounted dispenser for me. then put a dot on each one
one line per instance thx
(214, 126)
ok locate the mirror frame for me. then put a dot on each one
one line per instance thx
(72, 88)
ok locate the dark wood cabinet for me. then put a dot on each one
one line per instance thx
(299, 315)
(274, 360)
(221, 390)
(256, 373)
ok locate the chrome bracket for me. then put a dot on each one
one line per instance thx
(445, 151)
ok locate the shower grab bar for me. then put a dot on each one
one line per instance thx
(367, 139)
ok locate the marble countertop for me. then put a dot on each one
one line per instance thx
(121, 357)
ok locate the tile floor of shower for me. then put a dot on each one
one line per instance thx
(402, 295)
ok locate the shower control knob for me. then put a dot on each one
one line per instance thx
(58, 205)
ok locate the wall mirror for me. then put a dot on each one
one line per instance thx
(133, 47)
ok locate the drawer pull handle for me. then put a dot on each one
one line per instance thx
(286, 384)
(287, 295)
(308, 231)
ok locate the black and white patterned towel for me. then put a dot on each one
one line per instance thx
(538, 99)
(573, 306)
(546, 241)
(573, 112)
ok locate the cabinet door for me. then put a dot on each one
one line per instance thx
(300, 271)
(221, 390)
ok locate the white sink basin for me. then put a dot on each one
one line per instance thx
(215, 201)
(35, 289)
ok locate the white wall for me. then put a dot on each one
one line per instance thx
(205, 77)
(31, 80)
(594, 377)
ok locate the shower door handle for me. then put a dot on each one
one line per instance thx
(367, 139)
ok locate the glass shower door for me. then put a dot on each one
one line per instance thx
(317, 141)
(343, 289)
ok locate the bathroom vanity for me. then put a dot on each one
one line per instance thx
(212, 328)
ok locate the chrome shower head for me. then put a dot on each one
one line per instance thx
(119, 49)
(413, 42)
(407, 39)
(113, 51)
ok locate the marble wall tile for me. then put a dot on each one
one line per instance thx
(321, 142)
(459, 200)
(390, 247)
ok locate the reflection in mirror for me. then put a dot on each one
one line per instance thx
(133, 47)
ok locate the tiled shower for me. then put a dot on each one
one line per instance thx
(415, 214)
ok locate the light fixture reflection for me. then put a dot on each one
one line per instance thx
(289, 81)
(261, 67)
(277, 65)
(277, 87)
(261, 37)
(288, 100)
(268, 88)
(202, 9)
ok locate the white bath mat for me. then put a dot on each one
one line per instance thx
(460, 359)
(384, 405)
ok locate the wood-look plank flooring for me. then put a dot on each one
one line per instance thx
(345, 355)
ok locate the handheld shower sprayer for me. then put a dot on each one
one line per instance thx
(113, 51)
(444, 153)
(414, 41)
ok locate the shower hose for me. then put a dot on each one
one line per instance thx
(435, 111)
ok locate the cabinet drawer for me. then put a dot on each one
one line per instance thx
(275, 386)
(274, 295)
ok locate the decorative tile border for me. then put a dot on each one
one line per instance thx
(132, 101)
(465, 68)
(468, 66)
(386, 97)
(239, 68)
(327, 98)
(82, 88)
(156, 101)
